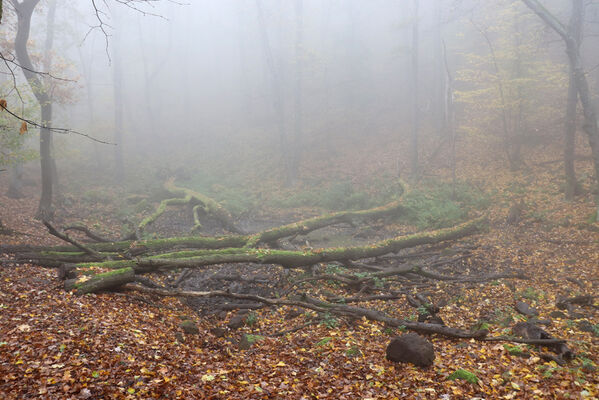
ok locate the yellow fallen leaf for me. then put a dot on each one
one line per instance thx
(281, 364)
(207, 377)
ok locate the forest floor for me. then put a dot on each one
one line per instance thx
(117, 345)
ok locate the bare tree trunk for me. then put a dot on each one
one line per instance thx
(277, 95)
(575, 59)
(415, 114)
(450, 119)
(514, 162)
(24, 12)
(50, 21)
(118, 102)
(574, 30)
(570, 138)
(440, 69)
(15, 183)
(88, 78)
(296, 151)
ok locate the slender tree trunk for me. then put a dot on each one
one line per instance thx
(296, 151)
(415, 114)
(88, 78)
(50, 22)
(570, 138)
(450, 119)
(118, 102)
(507, 145)
(277, 93)
(439, 87)
(15, 183)
(24, 12)
(575, 59)
(575, 31)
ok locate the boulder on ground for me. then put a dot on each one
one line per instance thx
(411, 348)
(190, 327)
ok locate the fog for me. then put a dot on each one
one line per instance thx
(179, 85)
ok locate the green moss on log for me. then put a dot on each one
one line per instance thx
(104, 281)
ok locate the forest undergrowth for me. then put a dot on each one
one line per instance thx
(54, 344)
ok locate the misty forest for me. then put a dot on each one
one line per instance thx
(302, 199)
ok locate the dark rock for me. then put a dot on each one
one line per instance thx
(247, 341)
(546, 322)
(557, 314)
(237, 321)
(576, 315)
(190, 327)
(222, 315)
(179, 336)
(218, 332)
(411, 348)
(293, 313)
(585, 326)
(525, 309)
(244, 343)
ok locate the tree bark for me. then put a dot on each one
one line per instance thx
(24, 12)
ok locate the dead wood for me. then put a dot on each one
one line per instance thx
(75, 243)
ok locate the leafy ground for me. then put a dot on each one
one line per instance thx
(56, 345)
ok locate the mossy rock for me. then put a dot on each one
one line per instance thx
(189, 327)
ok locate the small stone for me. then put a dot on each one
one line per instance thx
(525, 309)
(557, 314)
(237, 322)
(190, 327)
(293, 313)
(411, 348)
(244, 343)
(218, 332)
(585, 326)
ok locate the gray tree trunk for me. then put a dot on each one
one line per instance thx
(415, 114)
(575, 60)
(277, 93)
(574, 30)
(24, 12)
(296, 151)
(117, 78)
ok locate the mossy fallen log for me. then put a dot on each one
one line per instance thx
(104, 281)
(151, 246)
(287, 259)
(198, 202)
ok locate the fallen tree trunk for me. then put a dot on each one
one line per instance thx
(198, 202)
(218, 242)
(287, 259)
